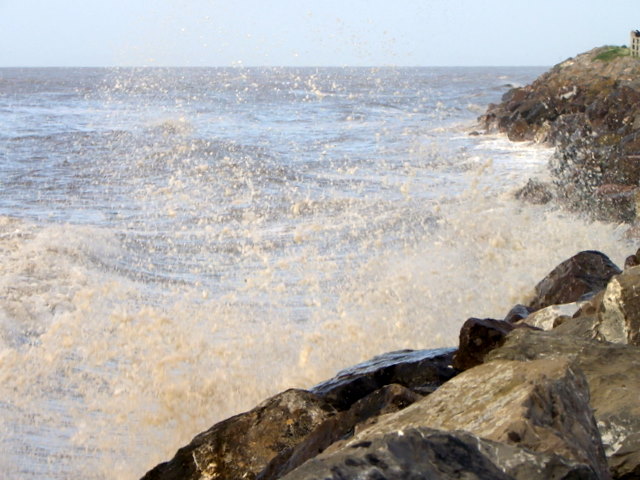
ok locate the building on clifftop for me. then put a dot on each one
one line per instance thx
(634, 46)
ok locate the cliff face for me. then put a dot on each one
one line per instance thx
(589, 108)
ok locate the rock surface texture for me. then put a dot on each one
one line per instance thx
(589, 108)
(612, 372)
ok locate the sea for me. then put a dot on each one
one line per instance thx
(179, 244)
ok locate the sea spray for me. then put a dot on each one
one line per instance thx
(181, 244)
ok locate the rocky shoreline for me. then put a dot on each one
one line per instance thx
(549, 392)
(588, 107)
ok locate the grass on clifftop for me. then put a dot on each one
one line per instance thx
(612, 52)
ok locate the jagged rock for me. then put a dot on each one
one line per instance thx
(619, 313)
(363, 413)
(243, 445)
(518, 312)
(542, 405)
(550, 317)
(421, 452)
(584, 274)
(477, 338)
(536, 192)
(613, 376)
(408, 454)
(420, 370)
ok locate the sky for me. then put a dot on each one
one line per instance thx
(308, 32)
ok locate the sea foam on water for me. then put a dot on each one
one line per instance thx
(179, 248)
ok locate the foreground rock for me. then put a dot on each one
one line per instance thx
(542, 406)
(613, 376)
(529, 404)
(288, 429)
(242, 446)
(427, 453)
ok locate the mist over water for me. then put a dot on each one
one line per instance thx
(179, 244)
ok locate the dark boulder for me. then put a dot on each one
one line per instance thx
(536, 192)
(422, 452)
(419, 370)
(243, 445)
(413, 453)
(584, 274)
(477, 338)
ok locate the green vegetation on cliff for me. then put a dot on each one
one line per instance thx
(612, 52)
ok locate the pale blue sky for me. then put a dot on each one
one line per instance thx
(308, 32)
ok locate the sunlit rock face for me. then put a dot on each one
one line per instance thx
(612, 372)
(510, 402)
(619, 313)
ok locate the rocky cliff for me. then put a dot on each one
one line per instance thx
(589, 108)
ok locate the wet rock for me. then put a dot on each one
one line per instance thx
(477, 338)
(613, 375)
(242, 446)
(428, 453)
(519, 131)
(536, 192)
(518, 312)
(631, 261)
(407, 454)
(541, 405)
(619, 313)
(334, 432)
(584, 274)
(419, 370)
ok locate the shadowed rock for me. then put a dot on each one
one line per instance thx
(536, 192)
(242, 446)
(422, 452)
(477, 338)
(518, 312)
(334, 432)
(584, 274)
